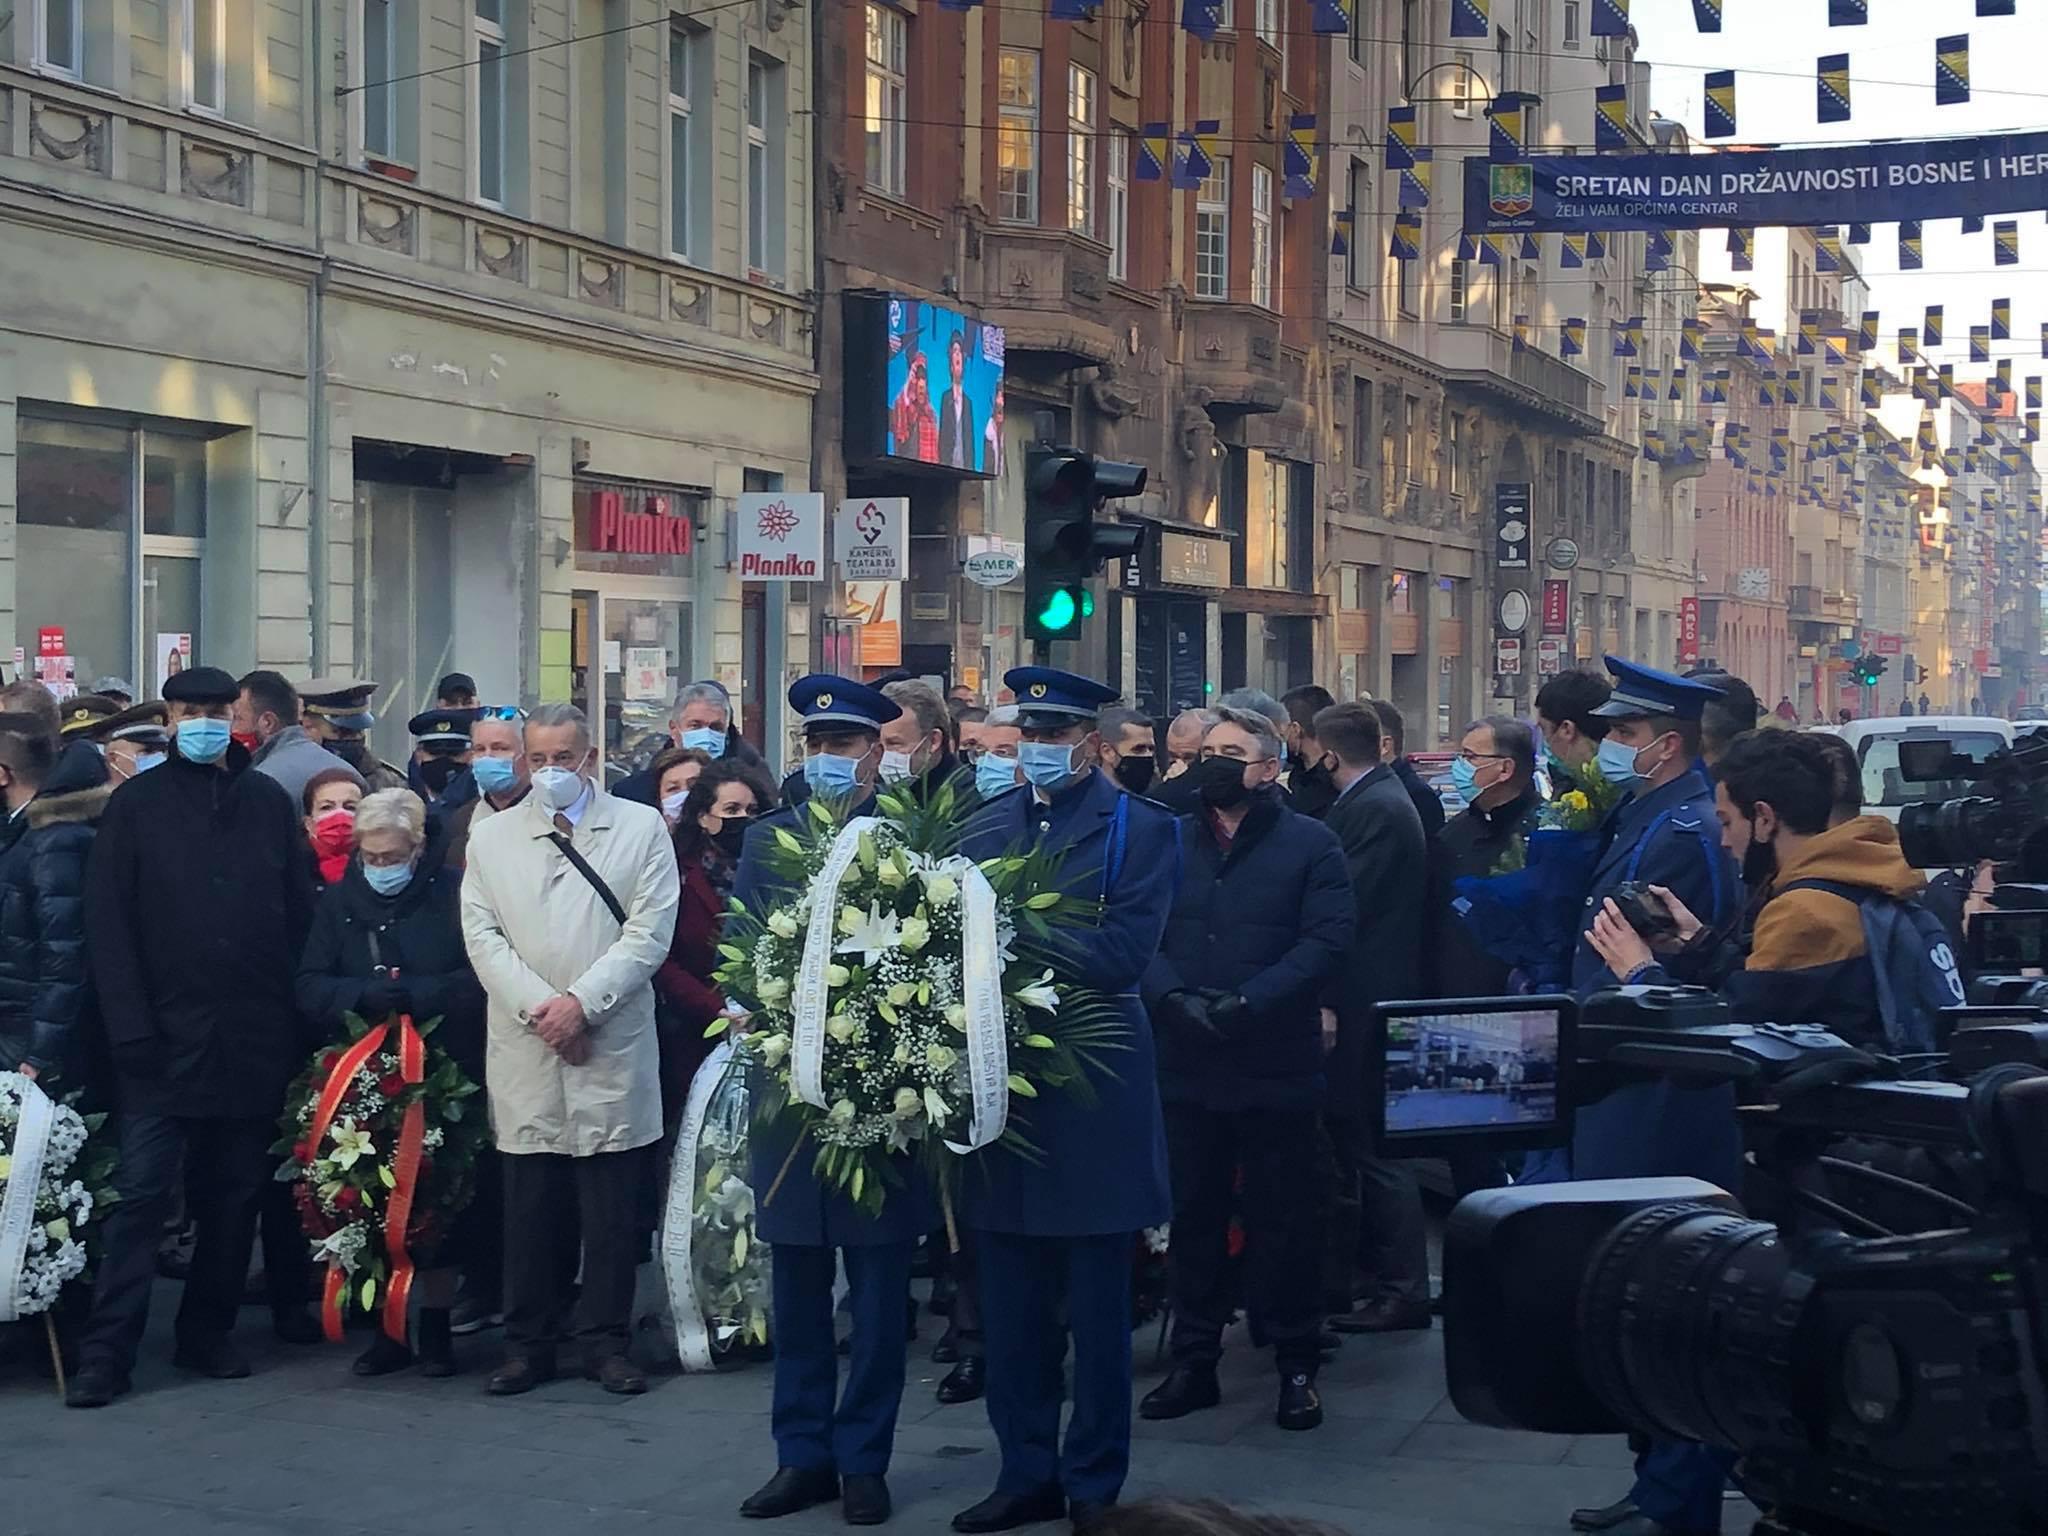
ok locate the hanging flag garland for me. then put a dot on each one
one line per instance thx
(1469, 19)
(1832, 87)
(1720, 104)
(1952, 70)
(2005, 243)
(1610, 18)
(1910, 257)
(1610, 117)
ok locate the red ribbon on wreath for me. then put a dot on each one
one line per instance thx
(405, 1168)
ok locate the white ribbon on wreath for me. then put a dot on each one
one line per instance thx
(807, 1032)
(679, 1216)
(18, 1205)
(981, 985)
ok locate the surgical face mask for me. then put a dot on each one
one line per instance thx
(895, 767)
(144, 761)
(494, 775)
(557, 788)
(830, 774)
(1464, 780)
(335, 833)
(201, 740)
(388, 879)
(1046, 764)
(672, 805)
(1135, 773)
(1617, 760)
(993, 775)
(706, 739)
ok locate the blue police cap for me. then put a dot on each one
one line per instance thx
(1047, 696)
(1640, 691)
(826, 702)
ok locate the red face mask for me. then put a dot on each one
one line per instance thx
(248, 741)
(335, 833)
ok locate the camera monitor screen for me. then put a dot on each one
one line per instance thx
(2009, 943)
(1485, 1067)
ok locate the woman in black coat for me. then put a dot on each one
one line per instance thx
(387, 940)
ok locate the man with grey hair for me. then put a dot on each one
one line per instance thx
(701, 720)
(568, 906)
(917, 746)
(1259, 702)
(1184, 740)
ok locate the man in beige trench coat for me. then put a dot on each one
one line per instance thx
(571, 1062)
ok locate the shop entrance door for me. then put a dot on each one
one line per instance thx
(629, 654)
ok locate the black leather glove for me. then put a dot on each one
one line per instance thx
(1187, 1010)
(1228, 1012)
(143, 1059)
(382, 998)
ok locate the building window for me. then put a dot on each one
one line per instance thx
(1454, 452)
(1225, 20)
(1461, 84)
(1017, 137)
(1262, 236)
(380, 63)
(1119, 209)
(767, 114)
(1266, 20)
(888, 97)
(1390, 456)
(1081, 150)
(487, 91)
(110, 532)
(60, 37)
(1212, 232)
(1359, 39)
(1461, 276)
(1355, 268)
(682, 51)
(1405, 285)
(205, 55)
(1571, 23)
(1411, 436)
(1407, 46)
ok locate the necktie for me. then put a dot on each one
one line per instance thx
(564, 825)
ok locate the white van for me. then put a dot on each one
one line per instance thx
(1876, 744)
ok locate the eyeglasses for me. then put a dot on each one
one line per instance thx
(1235, 754)
(1484, 757)
(500, 712)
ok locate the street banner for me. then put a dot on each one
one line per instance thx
(1870, 183)
(1557, 605)
(1688, 630)
(1511, 525)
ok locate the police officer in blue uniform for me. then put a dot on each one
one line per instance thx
(1064, 1225)
(1663, 833)
(823, 1452)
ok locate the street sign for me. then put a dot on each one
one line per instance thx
(1561, 554)
(872, 538)
(993, 568)
(1507, 656)
(1514, 611)
(1549, 657)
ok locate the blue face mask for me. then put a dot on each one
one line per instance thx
(1617, 762)
(993, 775)
(1046, 764)
(829, 774)
(1463, 776)
(202, 741)
(147, 760)
(388, 879)
(705, 739)
(493, 775)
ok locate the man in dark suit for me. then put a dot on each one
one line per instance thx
(1393, 752)
(1496, 773)
(1067, 1221)
(1377, 1217)
(958, 440)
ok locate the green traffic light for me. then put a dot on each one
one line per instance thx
(1059, 611)
(1087, 604)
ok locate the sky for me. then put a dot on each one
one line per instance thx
(1773, 46)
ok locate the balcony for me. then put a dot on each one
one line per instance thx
(1049, 291)
(1234, 353)
(1805, 603)
(1484, 361)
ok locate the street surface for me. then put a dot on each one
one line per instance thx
(1422, 1109)
(303, 1448)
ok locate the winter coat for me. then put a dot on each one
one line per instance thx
(690, 998)
(1428, 804)
(1472, 843)
(44, 990)
(292, 758)
(417, 934)
(1268, 918)
(198, 896)
(1385, 856)
(464, 820)
(536, 929)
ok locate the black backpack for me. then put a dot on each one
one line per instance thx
(1910, 955)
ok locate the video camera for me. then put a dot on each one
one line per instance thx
(2004, 817)
(1888, 1381)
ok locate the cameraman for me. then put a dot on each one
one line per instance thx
(1778, 797)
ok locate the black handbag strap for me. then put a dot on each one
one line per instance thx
(596, 880)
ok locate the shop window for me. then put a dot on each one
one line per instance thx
(110, 537)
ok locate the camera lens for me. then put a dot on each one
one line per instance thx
(1686, 1322)
(1959, 831)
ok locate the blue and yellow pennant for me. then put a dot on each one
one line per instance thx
(2033, 396)
(1632, 383)
(1720, 104)
(1809, 332)
(1831, 88)
(1330, 18)
(1973, 223)
(1980, 343)
(1873, 392)
(1153, 139)
(1706, 15)
(1866, 331)
(1742, 250)
(1690, 334)
(1848, 13)
(1342, 231)
(1469, 19)
(1400, 138)
(1202, 17)
(1298, 157)
(1596, 245)
(1930, 331)
(1909, 245)
(2005, 243)
(1827, 251)
(1406, 241)
(2001, 319)
(1610, 18)
(1416, 178)
(1571, 250)
(1504, 140)
(1571, 337)
(1610, 117)
(1952, 70)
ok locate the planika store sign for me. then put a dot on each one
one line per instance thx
(780, 536)
(644, 525)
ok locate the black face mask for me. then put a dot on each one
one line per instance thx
(437, 773)
(355, 753)
(1135, 773)
(1220, 782)
(1759, 864)
(731, 836)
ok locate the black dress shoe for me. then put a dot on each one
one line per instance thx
(1384, 1314)
(1085, 1512)
(1186, 1389)
(212, 1357)
(1301, 1407)
(792, 1489)
(965, 1382)
(864, 1500)
(947, 1350)
(1006, 1511)
(384, 1356)
(521, 1373)
(1604, 1517)
(94, 1385)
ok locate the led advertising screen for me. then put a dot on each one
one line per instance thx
(1470, 1071)
(944, 388)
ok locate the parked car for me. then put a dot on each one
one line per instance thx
(1886, 791)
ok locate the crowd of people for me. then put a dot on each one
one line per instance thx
(197, 892)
